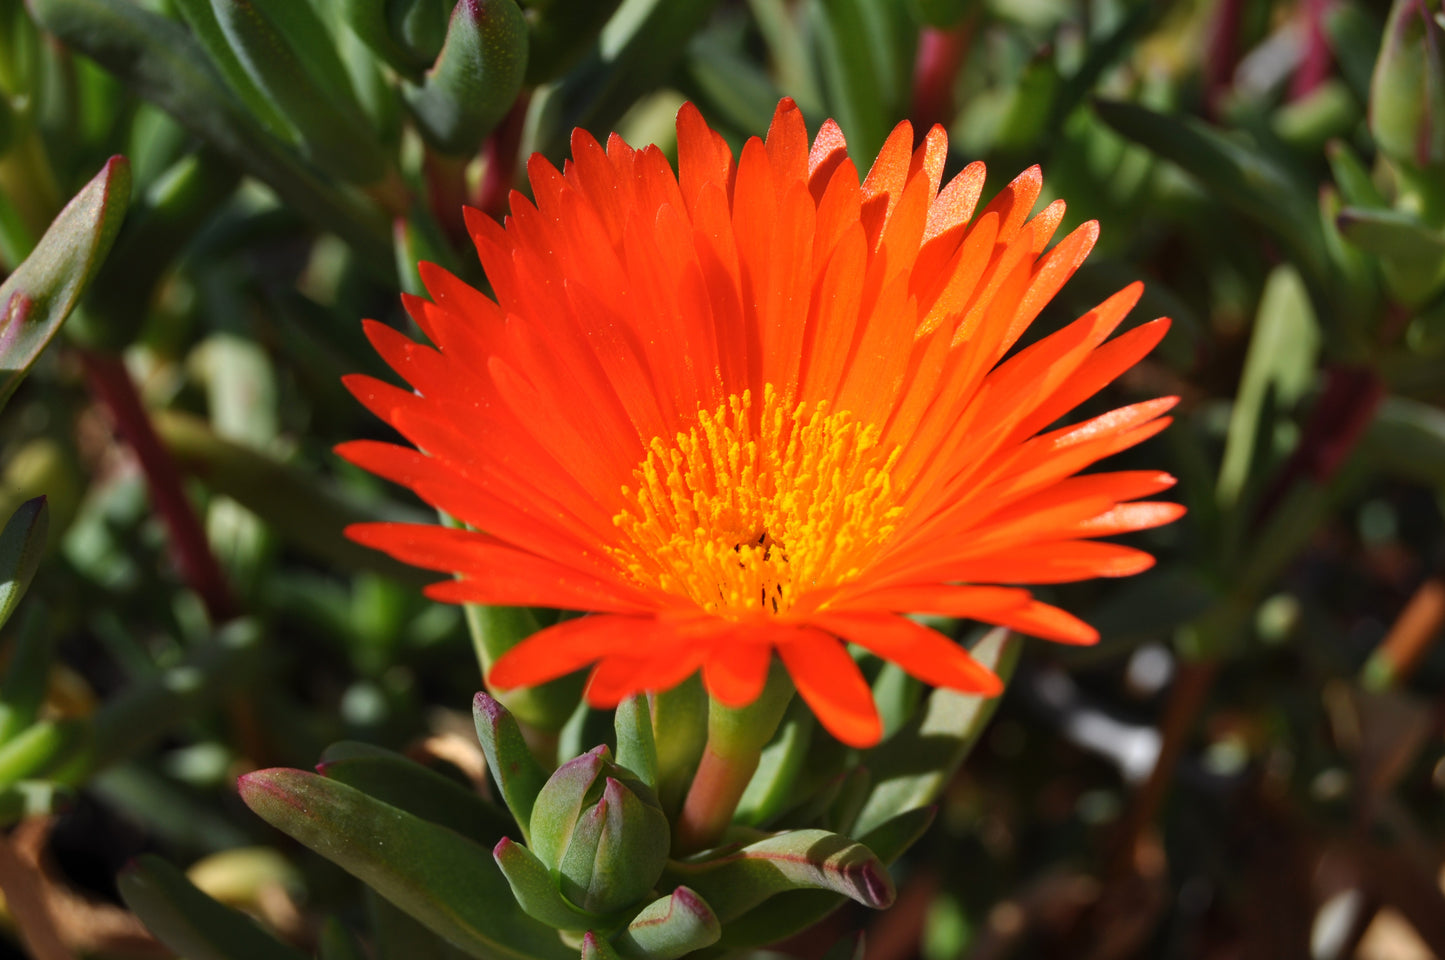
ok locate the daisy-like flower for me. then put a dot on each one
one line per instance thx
(753, 408)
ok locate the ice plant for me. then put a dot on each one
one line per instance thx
(757, 408)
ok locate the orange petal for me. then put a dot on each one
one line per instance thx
(923, 652)
(1048, 623)
(829, 681)
(947, 600)
(617, 678)
(501, 573)
(736, 671)
(568, 646)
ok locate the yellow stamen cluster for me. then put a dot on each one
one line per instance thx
(752, 507)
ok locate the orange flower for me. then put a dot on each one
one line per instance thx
(755, 408)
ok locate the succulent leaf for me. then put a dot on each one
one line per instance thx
(597, 948)
(796, 910)
(736, 882)
(535, 889)
(670, 927)
(438, 876)
(368, 20)
(191, 923)
(1407, 91)
(292, 60)
(159, 60)
(560, 803)
(771, 789)
(21, 544)
(37, 297)
(636, 749)
(476, 78)
(420, 791)
(632, 850)
(517, 773)
(912, 768)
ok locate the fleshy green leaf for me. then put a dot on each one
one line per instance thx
(397, 935)
(21, 544)
(669, 928)
(494, 631)
(420, 24)
(734, 883)
(911, 769)
(679, 730)
(438, 876)
(1407, 91)
(1281, 364)
(1355, 183)
(560, 33)
(291, 58)
(368, 20)
(201, 18)
(517, 773)
(1243, 177)
(788, 913)
(476, 78)
(771, 787)
(867, 59)
(157, 58)
(420, 791)
(597, 948)
(1391, 233)
(27, 673)
(636, 749)
(191, 923)
(36, 298)
(560, 802)
(163, 220)
(536, 890)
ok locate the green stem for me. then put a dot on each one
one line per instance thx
(735, 741)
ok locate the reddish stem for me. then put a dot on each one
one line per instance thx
(713, 798)
(111, 384)
(1340, 417)
(446, 182)
(1223, 53)
(940, 55)
(1314, 69)
(500, 159)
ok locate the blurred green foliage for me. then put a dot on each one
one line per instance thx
(1274, 170)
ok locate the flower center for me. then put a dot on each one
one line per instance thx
(754, 506)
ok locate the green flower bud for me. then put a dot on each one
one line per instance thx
(600, 832)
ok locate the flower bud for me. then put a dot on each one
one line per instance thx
(601, 833)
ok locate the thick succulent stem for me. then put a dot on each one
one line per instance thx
(735, 740)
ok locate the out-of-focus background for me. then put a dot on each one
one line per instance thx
(1249, 764)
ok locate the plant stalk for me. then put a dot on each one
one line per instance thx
(110, 383)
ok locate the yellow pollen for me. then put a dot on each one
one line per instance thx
(750, 508)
